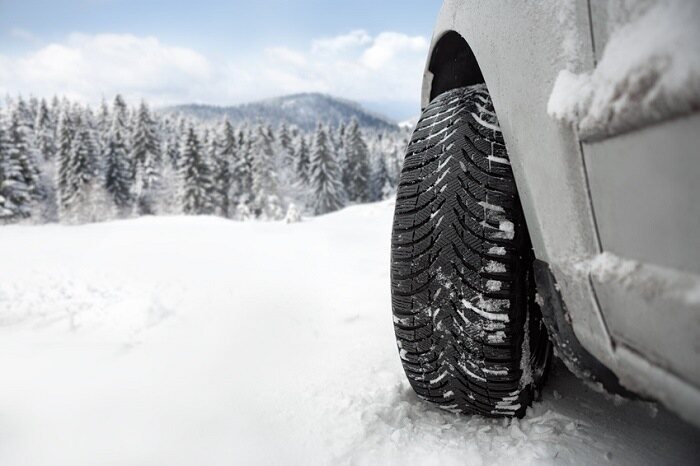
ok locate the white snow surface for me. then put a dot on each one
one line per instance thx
(650, 280)
(649, 71)
(197, 340)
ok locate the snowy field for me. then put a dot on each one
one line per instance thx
(201, 341)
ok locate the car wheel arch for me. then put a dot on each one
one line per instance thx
(452, 64)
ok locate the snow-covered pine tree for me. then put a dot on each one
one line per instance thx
(284, 162)
(104, 120)
(45, 144)
(64, 136)
(394, 164)
(266, 201)
(121, 117)
(171, 140)
(195, 178)
(286, 151)
(325, 178)
(22, 150)
(15, 196)
(357, 170)
(44, 132)
(302, 162)
(76, 193)
(293, 214)
(243, 213)
(23, 114)
(117, 169)
(224, 160)
(102, 127)
(341, 156)
(169, 185)
(55, 108)
(33, 106)
(146, 159)
(240, 192)
(380, 184)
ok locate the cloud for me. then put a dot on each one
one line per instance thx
(341, 43)
(23, 35)
(286, 55)
(86, 67)
(356, 65)
(389, 45)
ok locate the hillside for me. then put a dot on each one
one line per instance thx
(303, 110)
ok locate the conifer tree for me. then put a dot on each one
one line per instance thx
(302, 163)
(64, 135)
(196, 182)
(285, 148)
(44, 132)
(340, 149)
(394, 164)
(326, 187)
(224, 160)
(117, 169)
(45, 151)
(75, 193)
(357, 170)
(23, 114)
(15, 194)
(146, 159)
(284, 162)
(380, 185)
(171, 144)
(242, 172)
(55, 108)
(264, 188)
(120, 117)
(21, 151)
(103, 127)
(210, 146)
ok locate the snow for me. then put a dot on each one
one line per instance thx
(507, 229)
(197, 340)
(410, 124)
(649, 71)
(652, 281)
(484, 123)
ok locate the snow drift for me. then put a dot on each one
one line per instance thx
(198, 340)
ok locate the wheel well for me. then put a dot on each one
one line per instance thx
(453, 65)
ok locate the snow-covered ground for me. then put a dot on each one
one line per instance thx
(201, 341)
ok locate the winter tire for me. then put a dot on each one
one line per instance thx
(469, 332)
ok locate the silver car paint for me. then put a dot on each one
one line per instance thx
(583, 198)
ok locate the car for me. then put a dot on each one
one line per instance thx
(549, 202)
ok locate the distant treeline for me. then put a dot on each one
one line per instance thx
(62, 161)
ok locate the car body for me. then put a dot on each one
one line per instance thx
(614, 215)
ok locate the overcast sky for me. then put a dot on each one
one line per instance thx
(219, 52)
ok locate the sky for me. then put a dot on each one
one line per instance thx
(219, 52)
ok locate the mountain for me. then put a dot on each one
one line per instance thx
(303, 110)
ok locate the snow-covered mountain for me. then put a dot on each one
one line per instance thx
(303, 110)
